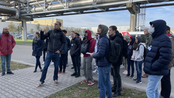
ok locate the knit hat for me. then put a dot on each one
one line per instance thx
(127, 37)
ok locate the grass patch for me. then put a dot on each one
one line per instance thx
(82, 90)
(15, 66)
(28, 42)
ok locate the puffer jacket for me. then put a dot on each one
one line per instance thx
(56, 40)
(160, 51)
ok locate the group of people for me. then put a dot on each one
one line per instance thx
(157, 54)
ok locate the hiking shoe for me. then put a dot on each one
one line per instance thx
(77, 76)
(91, 83)
(138, 82)
(2, 74)
(84, 81)
(56, 82)
(40, 84)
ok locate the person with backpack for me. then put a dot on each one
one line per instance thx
(104, 67)
(165, 81)
(138, 57)
(125, 41)
(159, 55)
(148, 38)
(116, 37)
(75, 53)
(64, 54)
(130, 63)
(7, 43)
(37, 47)
(87, 59)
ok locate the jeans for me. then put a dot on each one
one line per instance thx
(166, 86)
(117, 78)
(75, 60)
(152, 87)
(38, 63)
(125, 63)
(104, 84)
(50, 56)
(7, 59)
(63, 61)
(87, 64)
(138, 65)
(130, 63)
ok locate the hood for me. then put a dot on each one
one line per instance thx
(117, 34)
(139, 39)
(104, 29)
(133, 40)
(160, 27)
(89, 34)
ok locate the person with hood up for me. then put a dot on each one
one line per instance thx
(104, 67)
(130, 62)
(126, 39)
(87, 59)
(158, 57)
(138, 57)
(37, 47)
(115, 71)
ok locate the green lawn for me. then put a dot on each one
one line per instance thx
(15, 66)
(28, 42)
(82, 90)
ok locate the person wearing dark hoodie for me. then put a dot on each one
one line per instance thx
(138, 57)
(158, 57)
(87, 59)
(166, 81)
(64, 54)
(130, 62)
(37, 47)
(75, 53)
(104, 67)
(115, 71)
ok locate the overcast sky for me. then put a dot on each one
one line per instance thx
(118, 18)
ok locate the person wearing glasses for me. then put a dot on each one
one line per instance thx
(56, 44)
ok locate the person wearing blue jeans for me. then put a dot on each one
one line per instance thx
(104, 66)
(158, 57)
(130, 63)
(138, 65)
(56, 45)
(7, 59)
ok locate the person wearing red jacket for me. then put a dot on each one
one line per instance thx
(7, 44)
(87, 60)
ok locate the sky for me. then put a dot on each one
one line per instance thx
(118, 18)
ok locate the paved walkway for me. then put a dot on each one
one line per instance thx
(24, 82)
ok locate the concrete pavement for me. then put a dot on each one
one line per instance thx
(23, 54)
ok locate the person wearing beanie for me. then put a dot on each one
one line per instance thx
(138, 57)
(130, 63)
(157, 60)
(104, 66)
(126, 40)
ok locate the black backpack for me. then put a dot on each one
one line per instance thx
(85, 46)
(145, 51)
(125, 48)
(114, 51)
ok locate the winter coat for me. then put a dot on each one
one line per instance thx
(75, 47)
(37, 47)
(160, 51)
(119, 39)
(148, 39)
(91, 44)
(130, 47)
(7, 44)
(102, 48)
(139, 52)
(56, 40)
(45, 44)
(67, 46)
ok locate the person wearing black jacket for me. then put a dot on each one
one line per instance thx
(56, 44)
(75, 53)
(64, 54)
(115, 71)
(37, 47)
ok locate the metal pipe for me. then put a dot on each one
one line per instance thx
(41, 2)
